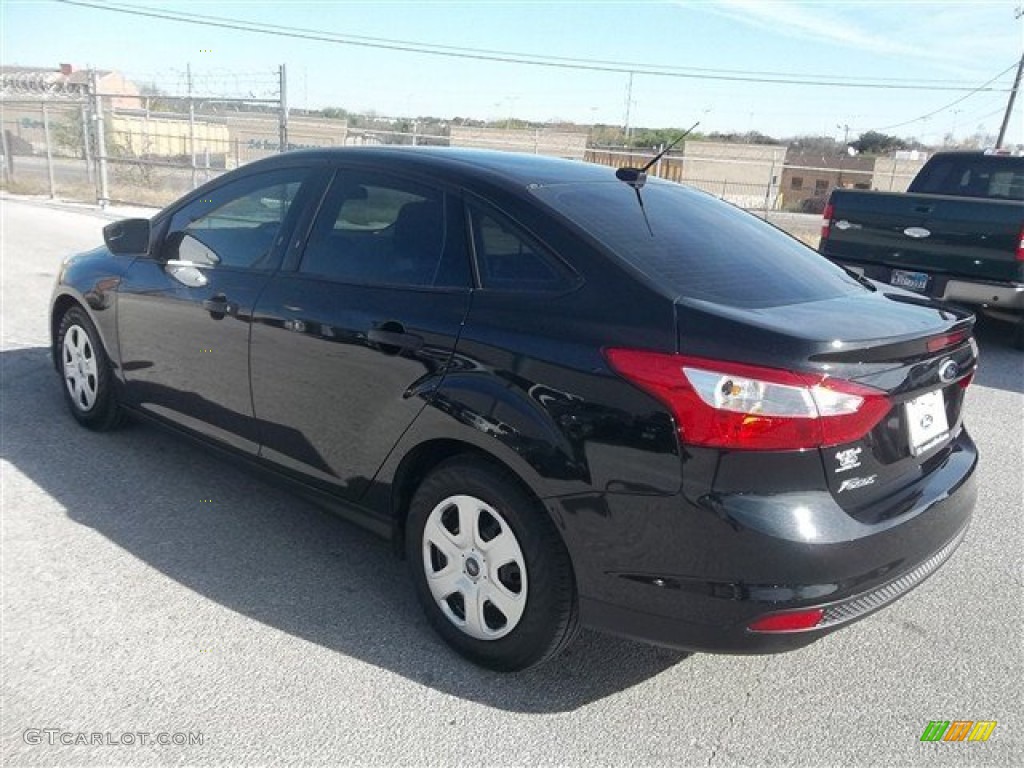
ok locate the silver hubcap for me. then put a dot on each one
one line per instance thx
(475, 567)
(80, 367)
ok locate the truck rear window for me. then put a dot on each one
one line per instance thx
(699, 247)
(999, 178)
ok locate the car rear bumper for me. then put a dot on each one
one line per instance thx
(694, 576)
(1006, 296)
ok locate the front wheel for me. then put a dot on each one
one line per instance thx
(490, 569)
(85, 372)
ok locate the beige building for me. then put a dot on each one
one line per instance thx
(809, 178)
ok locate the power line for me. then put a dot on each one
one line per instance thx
(952, 103)
(593, 65)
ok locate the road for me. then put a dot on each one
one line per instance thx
(151, 587)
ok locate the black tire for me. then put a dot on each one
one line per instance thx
(550, 620)
(94, 402)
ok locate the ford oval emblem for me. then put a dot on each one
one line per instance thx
(916, 232)
(948, 370)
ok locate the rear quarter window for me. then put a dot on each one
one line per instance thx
(697, 246)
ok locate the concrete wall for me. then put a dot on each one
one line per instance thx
(534, 141)
(142, 136)
(258, 135)
(894, 174)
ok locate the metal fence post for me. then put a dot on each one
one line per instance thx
(768, 189)
(49, 151)
(191, 124)
(8, 160)
(90, 172)
(283, 127)
(101, 141)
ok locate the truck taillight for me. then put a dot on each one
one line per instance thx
(826, 223)
(1020, 244)
(747, 407)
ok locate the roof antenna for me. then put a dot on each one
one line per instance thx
(637, 177)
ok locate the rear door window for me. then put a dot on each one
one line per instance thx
(698, 247)
(377, 229)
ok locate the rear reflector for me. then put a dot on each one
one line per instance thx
(788, 622)
(946, 340)
(747, 407)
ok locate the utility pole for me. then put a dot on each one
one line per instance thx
(283, 127)
(1009, 104)
(842, 156)
(846, 134)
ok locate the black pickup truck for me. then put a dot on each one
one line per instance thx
(956, 235)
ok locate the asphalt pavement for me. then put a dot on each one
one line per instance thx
(150, 589)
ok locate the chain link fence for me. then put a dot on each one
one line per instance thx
(94, 136)
(83, 140)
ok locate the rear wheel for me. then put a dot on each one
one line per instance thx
(86, 373)
(490, 569)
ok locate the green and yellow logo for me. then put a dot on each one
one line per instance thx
(958, 730)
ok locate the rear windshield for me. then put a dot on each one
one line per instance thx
(998, 178)
(698, 247)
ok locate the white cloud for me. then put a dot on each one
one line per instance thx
(895, 28)
(817, 21)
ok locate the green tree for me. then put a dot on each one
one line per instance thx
(875, 143)
(67, 134)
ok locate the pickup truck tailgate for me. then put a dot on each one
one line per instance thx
(935, 234)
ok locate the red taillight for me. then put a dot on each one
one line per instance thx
(1020, 244)
(747, 407)
(826, 223)
(788, 622)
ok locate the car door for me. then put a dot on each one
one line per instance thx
(184, 313)
(349, 343)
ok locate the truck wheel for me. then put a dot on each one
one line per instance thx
(489, 567)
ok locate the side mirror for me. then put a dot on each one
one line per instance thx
(127, 236)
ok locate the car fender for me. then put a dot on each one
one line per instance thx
(90, 280)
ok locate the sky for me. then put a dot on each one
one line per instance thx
(922, 45)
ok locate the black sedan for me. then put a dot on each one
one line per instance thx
(569, 396)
